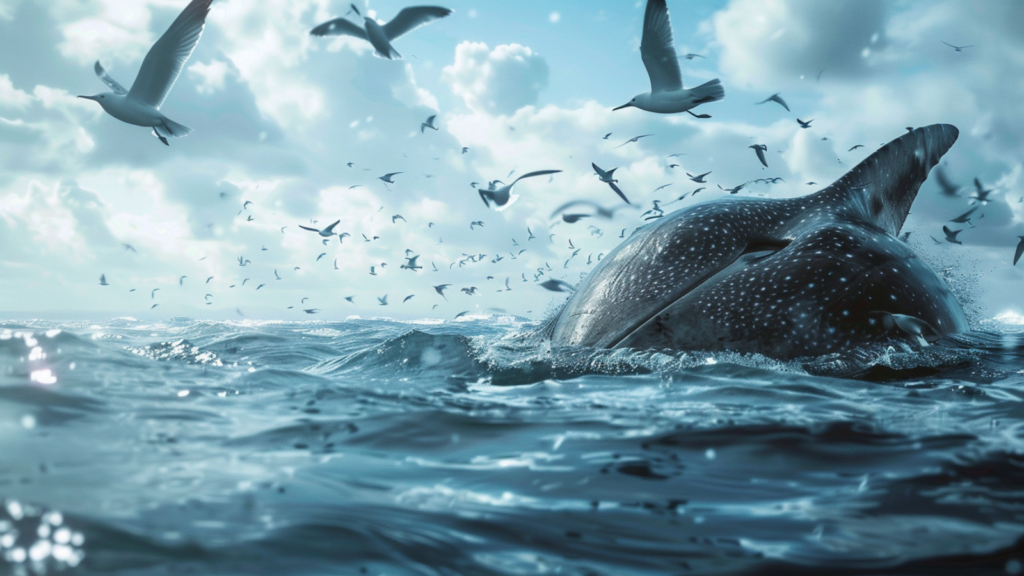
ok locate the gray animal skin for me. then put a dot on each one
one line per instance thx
(787, 278)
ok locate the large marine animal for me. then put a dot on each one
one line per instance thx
(787, 278)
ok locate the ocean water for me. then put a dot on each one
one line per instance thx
(382, 447)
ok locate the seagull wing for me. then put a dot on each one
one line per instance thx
(339, 27)
(412, 18)
(487, 196)
(600, 172)
(113, 84)
(331, 227)
(532, 174)
(777, 98)
(658, 49)
(760, 156)
(619, 192)
(1020, 250)
(167, 57)
(304, 228)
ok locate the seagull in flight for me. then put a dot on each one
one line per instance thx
(776, 98)
(951, 235)
(699, 179)
(600, 211)
(957, 48)
(609, 179)
(503, 197)
(429, 124)
(411, 264)
(387, 177)
(634, 139)
(103, 279)
(440, 290)
(657, 49)
(383, 300)
(381, 36)
(1020, 250)
(140, 106)
(326, 232)
(760, 149)
(803, 124)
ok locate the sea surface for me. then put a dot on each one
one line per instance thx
(372, 446)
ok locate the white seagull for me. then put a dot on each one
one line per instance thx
(503, 197)
(160, 69)
(381, 36)
(667, 95)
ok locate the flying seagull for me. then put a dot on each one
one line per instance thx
(657, 49)
(103, 279)
(609, 179)
(600, 211)
(326, 232)
(760, 149)
(803, 124)
(957, 48)
(140, 106)
(428, 124)
(951, 235)
(634, 139)
(503, 197)
(699, 179)
(380, 36)
(1020, 250)
(440, 290)
(776, 98)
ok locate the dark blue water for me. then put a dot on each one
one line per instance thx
(393, 448)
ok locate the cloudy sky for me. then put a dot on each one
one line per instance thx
(527, 85)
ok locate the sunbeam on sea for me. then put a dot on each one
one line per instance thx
(382, 447)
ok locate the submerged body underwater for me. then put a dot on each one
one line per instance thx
(383, 447)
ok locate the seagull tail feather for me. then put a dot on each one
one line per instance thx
(710, 91)
(171, 129)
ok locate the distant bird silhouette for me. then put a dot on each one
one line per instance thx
(951, 235)
(473, 225)
(803, 124)
(957, 48)
(407, 298)
(634, 139)
(397, 217)
(981, 194)
(428, 124)
(1020, 250)
(440, 290)
(855, 147)
(103, 280)
(410, 264)
(776, 98)
(383, 300)
(381, 36)
(504, 196)
(699, 179)
(760, 149)
(326, 232)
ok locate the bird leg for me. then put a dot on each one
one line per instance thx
(698, 115)
(160, 137)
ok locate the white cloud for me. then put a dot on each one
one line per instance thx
(498, 81)
(210, 76)
(11, 97)
(768, 44)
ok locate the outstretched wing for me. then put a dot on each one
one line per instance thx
(658, 49)
(412, 18)
(619, 192)
(339, 27)
(308, 228)
(113, 84)
(167, 57)
(537, 173)
(1020, 250)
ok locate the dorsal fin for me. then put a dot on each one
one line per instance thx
(887, 182)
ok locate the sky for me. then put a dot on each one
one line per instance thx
(530, 85)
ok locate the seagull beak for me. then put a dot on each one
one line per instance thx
(88, 97)
(626, 105)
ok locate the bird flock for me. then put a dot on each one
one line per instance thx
(141, 105)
